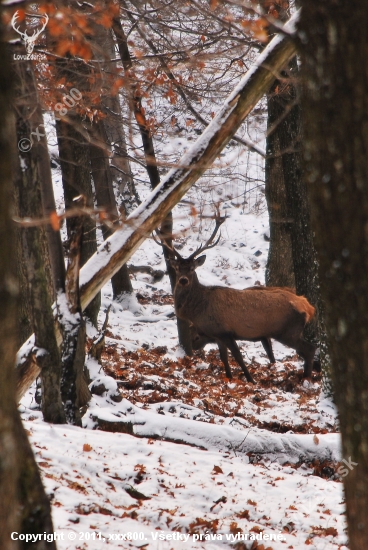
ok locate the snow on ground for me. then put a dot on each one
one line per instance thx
(241, 466)
(183, 490)
(249, 466)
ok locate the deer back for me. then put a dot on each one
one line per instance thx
(246, 314)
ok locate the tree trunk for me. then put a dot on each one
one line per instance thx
(24, 315)
(9, 457)
(280, 268)
(74, 388)
(15, 514)
(304, 255)
(120, 168)
(55, 250)
(103, 173)
(34, 246)
(105, 197)
(35, 509)
(55, 245)
(75, 169)
(335, 102)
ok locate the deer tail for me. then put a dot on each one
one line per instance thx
(309, 310)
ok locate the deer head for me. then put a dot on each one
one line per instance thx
(185, 267)
(29, 40)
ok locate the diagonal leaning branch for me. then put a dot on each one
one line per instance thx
(118, 248)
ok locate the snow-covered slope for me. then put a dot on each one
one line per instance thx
(185, 453)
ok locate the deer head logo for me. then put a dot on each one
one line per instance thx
(29, 40)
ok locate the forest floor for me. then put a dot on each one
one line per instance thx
(175, 455)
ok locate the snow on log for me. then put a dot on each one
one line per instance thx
(118, 248)
(294, 448)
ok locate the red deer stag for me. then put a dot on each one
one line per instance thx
(224, 315)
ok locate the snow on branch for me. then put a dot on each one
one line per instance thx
(117, 250)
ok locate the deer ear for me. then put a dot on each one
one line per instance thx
(199, 261)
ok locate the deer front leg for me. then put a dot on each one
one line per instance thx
(224, 358)
(230, 343)
(266, 343)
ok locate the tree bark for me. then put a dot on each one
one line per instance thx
(298, 206)
(55, 245)
(335, 103)
(105, 198)
(55, 250)
(280, 268)
(24, 314)
(34, 246)
(74, 389)
(117, 250)
(16, 457)
(120, 168)
(102, 172)
(9, 456)
(75, 169)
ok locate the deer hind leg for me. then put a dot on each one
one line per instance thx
(266, 343)
(224, 358)
(230, 343)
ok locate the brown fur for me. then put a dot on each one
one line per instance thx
(224, 315)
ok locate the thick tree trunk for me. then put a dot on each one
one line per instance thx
(280, 267)
(304, 254)
(17, 462)
(9, 456)
(55, 250)
(34, 246)
(335, 102)
(35, 509)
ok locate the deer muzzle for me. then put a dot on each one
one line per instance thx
(184, 281)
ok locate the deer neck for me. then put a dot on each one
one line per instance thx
(188, 299)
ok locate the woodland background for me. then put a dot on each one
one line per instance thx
(107, 112)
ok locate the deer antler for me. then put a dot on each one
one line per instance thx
(13, 23)
(209, 243)
(162, 243)
(29, 40)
